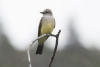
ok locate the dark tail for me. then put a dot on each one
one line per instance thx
(39, 49)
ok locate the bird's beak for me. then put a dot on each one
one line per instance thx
(42, 12)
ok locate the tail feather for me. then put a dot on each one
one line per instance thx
(39, 49)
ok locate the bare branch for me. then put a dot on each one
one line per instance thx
(29, 58)
(52, 58)
(42, 37)
(55, 49)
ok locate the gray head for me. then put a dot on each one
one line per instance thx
(47, 11)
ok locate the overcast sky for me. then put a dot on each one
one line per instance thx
(21, 18)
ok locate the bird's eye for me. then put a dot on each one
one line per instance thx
(46, 11)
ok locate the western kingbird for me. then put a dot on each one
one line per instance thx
(46, 26)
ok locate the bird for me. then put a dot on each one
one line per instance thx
(46, 26)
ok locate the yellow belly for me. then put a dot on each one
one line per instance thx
(47, 28)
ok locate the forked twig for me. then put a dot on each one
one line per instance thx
(55, 49)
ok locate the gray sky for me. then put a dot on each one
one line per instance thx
(21, 19)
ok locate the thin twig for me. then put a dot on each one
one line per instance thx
(42, 37)
(28, 50)
(55, 49)
(29, 58)
(52, 58)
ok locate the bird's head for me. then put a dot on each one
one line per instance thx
(46, 11)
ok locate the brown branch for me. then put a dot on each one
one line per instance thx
(28, 49)
(52, 58)
(55, 49)
(42, 37)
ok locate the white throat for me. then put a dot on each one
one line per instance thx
(47, 14)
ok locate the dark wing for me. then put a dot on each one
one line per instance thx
(54, 23)
(39, 29)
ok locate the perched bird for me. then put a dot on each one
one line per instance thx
(46, 26)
